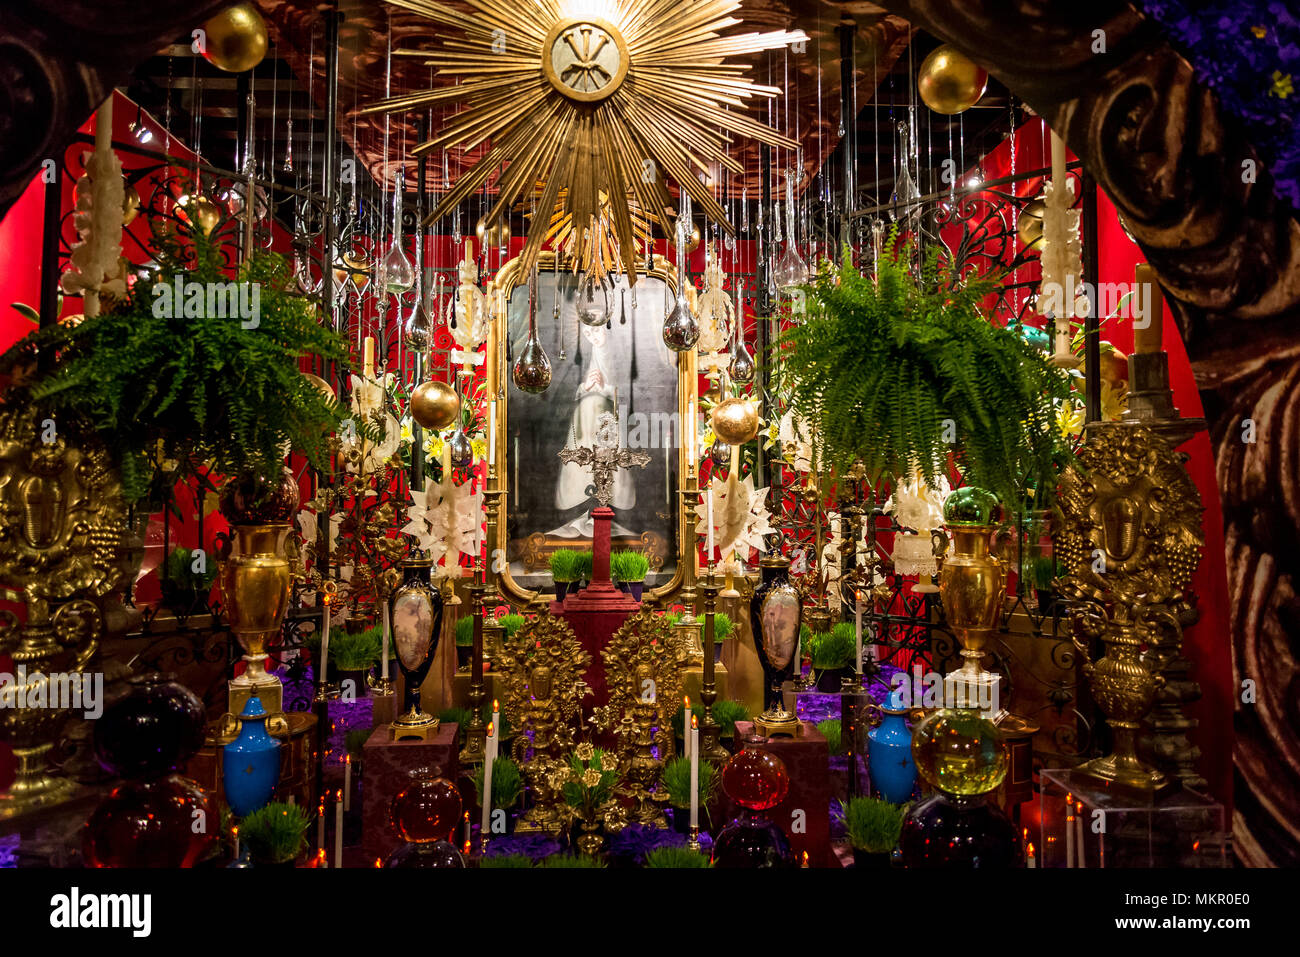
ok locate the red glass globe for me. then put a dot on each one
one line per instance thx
(151, 824)
(428, 809)
(756, 779)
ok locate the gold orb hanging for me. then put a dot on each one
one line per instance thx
(1029, 225)
(235, 39)
(130, 205)
(735, 420)
(201, 212)
(495, 236)
(949, 82)
(694, 242)
(435, 405)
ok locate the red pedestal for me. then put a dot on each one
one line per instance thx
(597, 611)
(804, 815)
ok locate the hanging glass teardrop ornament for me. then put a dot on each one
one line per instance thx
(461, 449)
(288, 148)
(593, 300)
(680, 328)
(720, 452)
(555, 312)
(741, 368)
(399, 274)
(791, 270)
(532, 370)
(419, 326)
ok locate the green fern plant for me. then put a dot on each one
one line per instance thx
(908, 375)
(200, 393)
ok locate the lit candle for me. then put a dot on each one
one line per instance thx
(1030, 860)
(1069, 830)
(347, 782)
(324, 639)
(857, 626)
(338, 832)
(695, 772)
(1078, 827)
(1148, 334)
(383, 674)
(320, 827)
(496, 722)
(235, 831)
(487, 782)
(687, 724)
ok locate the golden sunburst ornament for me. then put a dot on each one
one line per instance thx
(589, 97)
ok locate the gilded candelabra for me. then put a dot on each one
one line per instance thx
(710, 748)
(689, 627)
(1130, 542)
(475, 750)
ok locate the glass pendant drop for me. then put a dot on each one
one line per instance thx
(593, 300)
(680, 328)
(791, 270)
(399, 274)
(532, 370)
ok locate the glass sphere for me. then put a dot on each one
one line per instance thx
(756, 779)
(971, 506)
(250, 499)
(434, 854)
(150, 730)
(428, 809)
(150, 824)
(944, 832)
(960, 752)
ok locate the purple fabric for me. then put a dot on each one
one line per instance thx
(1248, 52)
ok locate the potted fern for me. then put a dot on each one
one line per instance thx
(873, 826)
(906, 375)
(564, 571)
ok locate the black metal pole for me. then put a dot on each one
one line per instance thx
(1092, 322)
(847, 30)
(49, 304)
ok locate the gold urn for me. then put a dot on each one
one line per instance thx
(972, 582)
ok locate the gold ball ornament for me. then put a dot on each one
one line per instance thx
(201, 212)
(130, 205)
(235, 39)
(495, 236)
(435, 405)
(735, 420)
(1029, 225)
(949, 82)
(694, 242)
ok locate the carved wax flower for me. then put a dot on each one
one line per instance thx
(591, 777)
(585, 751)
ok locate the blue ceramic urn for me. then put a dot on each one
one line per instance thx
(889, 752)
(251, 763)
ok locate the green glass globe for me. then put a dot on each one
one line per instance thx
(959, 752)
(970, 506)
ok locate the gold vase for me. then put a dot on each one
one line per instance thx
(972, 584)
(255, 581)
(1124, 688)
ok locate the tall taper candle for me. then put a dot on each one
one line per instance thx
(1148, 329)
(485, 824)
(324, 642)
(383, 674)
(347, 782)
(686, 723)
(338, 831)
(695, 772)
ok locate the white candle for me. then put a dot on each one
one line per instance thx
(347, 782)
(695, 773)
(496, 723)
(338, 832)
(1078, 828)
(324, 642)
(668, 477)
(487, 782)
(235, 831)
(1069, 830)
(686, 723)
(320, 827)
(708, 554)
(492, 428)
(383, 674)
(857, 626)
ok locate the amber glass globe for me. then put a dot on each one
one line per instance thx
(427, 809)
(960, 752)
(970, 506)
(756, 779)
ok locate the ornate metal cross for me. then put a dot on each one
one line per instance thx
(605, 457)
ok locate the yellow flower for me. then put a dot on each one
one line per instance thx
(1070, 418)
(407, 434)
(432, 445)
(480, 448)
(1282, 85)
(608, 762)
(585, 751)
(1260, 32)
(591, 778)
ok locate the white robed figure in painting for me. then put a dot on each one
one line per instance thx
(596, 394)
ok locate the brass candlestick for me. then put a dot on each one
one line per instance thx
(710, 748)
(475, 750)
(687, 623)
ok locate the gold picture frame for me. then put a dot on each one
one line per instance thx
(500, 290)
